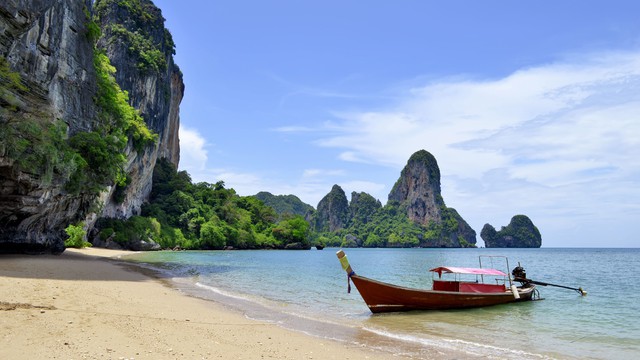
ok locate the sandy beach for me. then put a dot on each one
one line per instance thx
(83, 305)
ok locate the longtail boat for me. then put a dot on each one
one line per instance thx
(445, 294)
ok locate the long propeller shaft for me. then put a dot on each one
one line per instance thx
(579, 290)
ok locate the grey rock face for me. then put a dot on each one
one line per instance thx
(45, 42)
(418, 190)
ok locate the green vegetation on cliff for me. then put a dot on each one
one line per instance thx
(35, 144)
(141, 20)
(101, 151)
(86, 162)
(10, 84)
(389, 226)
(285, 205)
(366, 223)
(118, 116)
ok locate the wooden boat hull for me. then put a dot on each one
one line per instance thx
(383, 297)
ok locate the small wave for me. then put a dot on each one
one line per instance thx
(158, 271)
(222, 292)
(279, 311)
(471, 348)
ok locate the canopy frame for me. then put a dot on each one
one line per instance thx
(464, 270)
(481, 272)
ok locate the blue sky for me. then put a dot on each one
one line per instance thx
(529, 107)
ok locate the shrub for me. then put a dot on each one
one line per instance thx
(76, 235)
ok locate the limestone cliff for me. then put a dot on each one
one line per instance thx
(333, 211)
(418, 191)
(46, 48)
(520, 233)
(419, 188)
(141, 49)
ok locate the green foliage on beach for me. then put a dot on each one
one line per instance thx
(136, 228)
(76, 235)
(210, 216)
(387, 226)
(205, 216)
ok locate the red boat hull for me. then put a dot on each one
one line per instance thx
(382, 297)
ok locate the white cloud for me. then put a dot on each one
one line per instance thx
(294, 129)
(315, 173)
(193, 155)
(441, 116)
(556, 142)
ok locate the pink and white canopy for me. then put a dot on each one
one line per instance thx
(461, 270)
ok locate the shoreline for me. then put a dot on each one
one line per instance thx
(87, 304)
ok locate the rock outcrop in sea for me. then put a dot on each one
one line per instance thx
(48, 46)
(415, 214)
(520, 233)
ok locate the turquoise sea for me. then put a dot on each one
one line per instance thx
(307, 291)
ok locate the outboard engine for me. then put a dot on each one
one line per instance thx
(519, 273)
